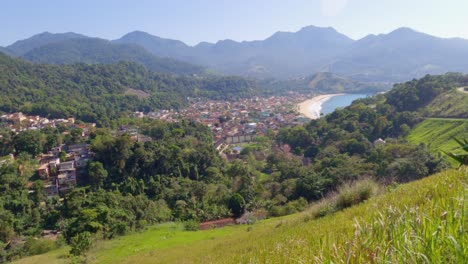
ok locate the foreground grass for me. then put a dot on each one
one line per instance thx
(438, 134)
(419, 222)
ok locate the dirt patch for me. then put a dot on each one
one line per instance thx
(217, 223)
(139, 93)
(462, 89)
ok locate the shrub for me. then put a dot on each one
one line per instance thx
(237, 205)
(39, 246)
(357, 192)
(347, 195)
(191, 225)
(81, 243)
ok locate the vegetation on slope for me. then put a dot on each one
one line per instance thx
(453, 103)
(420, 222)
(322, 82)
(93, 51)
(96, 93)
(417, 94)
(437, 134)
(179, 172)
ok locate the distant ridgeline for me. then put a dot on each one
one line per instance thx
(322, 82)
(98, 93)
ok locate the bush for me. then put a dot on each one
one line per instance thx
(191, 225)
(39, 246)
(237, 205)
(291, 207)
(348, 194)
(81, 243)
(357, 192)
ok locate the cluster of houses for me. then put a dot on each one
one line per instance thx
(236, 121)
(18, 122)
(61, 168)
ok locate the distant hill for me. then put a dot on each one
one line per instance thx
(387, 58)
(156, 45)
(401, 55)
(93, 51)
(21, 47)
(322, 82)
(398, 56)
(5, 51)
(327, 82)
(283, 54)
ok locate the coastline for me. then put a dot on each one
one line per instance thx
(311, 108)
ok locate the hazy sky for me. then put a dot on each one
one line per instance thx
(193, 21)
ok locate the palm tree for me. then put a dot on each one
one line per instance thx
(462, 159)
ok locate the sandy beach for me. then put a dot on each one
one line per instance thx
(311, 108)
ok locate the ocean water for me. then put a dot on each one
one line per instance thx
(340, 101)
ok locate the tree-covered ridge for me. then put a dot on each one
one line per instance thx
(416, 94)
(21, 47)
(93, 51)
(96, 93)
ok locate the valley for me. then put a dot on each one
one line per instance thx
(234, 132)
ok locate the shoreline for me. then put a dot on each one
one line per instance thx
(311, 108)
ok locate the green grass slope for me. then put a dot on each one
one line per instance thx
(453, 103)
(420, 222)
(438, 133)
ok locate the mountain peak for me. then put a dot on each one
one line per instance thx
(21, 47)
(313, 28)
(138, 33)
(403, 30)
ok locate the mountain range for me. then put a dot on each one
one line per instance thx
(68, 48)
(397, 56)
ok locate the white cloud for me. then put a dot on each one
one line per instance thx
(332, 7)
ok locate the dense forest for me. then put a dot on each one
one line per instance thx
(97, 93)
(178, 175)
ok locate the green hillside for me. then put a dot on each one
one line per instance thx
(453, 103)
(437, 133)
(98, 93)
(421, 222)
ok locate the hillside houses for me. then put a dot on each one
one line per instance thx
(60, 176)
(242, 118)
(18, 122)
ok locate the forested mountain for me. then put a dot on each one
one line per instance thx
(401, 55)
(96, 93)
(283, 54)
(93, 51)
(397, 56)
(156, 45)
(21, 47)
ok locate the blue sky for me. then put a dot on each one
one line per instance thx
(193, 21)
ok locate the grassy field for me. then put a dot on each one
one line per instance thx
(420, 222)
(437, 133)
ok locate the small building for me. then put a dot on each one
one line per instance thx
(43, 171)
(379, 142)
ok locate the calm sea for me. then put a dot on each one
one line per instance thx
(340, 101)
